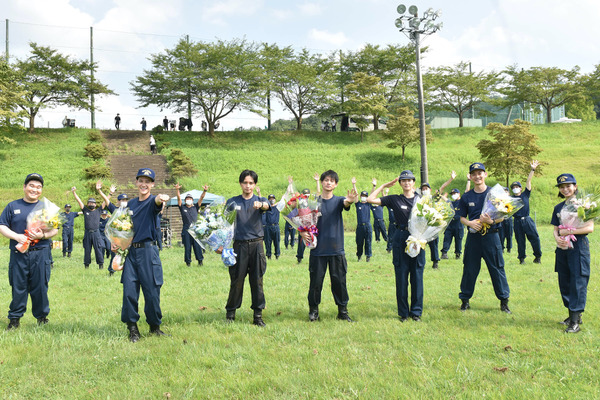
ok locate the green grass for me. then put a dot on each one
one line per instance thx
(84, 352)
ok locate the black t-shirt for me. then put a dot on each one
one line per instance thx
(248, 220)
(189, 215)
(524, 211)
(330, 240)
(91, 218)
(400, 205)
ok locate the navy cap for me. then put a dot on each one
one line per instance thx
(425, 184)
(67, 205)
(34, 177)
(147, 172)
(189, 196)
(476, 166)
(455, 191)
(271, 196)
(565, 178)
(305, 191)
(407, 174)
(516, 183)
(91, 200)
(104, 212)
(364, 193)
(122, 196)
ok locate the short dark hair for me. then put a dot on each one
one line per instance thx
(330, 173)
(250, 173)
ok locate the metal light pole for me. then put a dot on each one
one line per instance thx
(416, 27)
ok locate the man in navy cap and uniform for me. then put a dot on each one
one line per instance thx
(378, 221)
(92, 236)
(481, 246)
(523, 224)
(142, 266)
(67, 229)
(28, 272)
(455, 229)
(189, 216)
(364, 231)
(272, 234)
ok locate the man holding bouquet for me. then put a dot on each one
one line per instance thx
(189, 215)
(330, 249)
(524, 226)
(481, 243)
(28, 272)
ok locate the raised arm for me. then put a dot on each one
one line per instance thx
(204, 191)
(317, 178)
(468, 186)
(106, 200)
(534, 165)
(452, 177)
(351, 198)
(373, 197)
(77, 199)
(354, 184)
(178, 187)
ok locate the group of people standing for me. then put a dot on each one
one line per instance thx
(29, 272)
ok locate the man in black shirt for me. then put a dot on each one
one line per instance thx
(92, 236)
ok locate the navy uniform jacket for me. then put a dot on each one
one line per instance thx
(69, 219)
(377, 211)
(363, 213)
(272, 216)
(15, 215)
(524, 211)
(143, 216)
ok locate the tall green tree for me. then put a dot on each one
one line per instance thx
(456, 89)
(211, 78)
(10, 95)
(305, 84)
(366, 96)
(549, 87)
(271, 60)
(510, 150)
(403, 130)
(52, 79)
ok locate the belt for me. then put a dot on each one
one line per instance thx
(364, 223)
(140, 245)
(91, 230)
(249, 240)
(401, 227)
(36, 249)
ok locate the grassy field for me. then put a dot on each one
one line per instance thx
(84, 352)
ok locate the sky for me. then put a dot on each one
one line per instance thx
(491, 34)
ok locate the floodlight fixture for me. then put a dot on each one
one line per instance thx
(401, 9)
(413, 10)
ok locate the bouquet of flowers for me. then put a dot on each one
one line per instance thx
(119, 230)
(45, 216)
(302, 211)
(577, 211)
(215, 228)
(429, 217)
(498, 204)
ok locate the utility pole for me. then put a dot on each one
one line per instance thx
(92, 100)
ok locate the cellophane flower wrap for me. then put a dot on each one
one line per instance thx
(45, 216)
(498, 204)
(578, 210)
(429, 217)
(119, 230)
(302, 211)
(215, 228)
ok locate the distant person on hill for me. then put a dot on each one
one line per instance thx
(189, 215)
(67, 229)
(28, 272)
(572, 259)
(333, 124)
(172, 124)
(329, 252)
(523, 224)
(117, 121)
(152, 145)
(204, 126)
(248, 245)
(165, 123)
(143, 122)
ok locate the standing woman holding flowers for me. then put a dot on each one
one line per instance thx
(571, 263)
(405, 267)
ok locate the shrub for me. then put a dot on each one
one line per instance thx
(96, 171)
(95, 136)
(157, 130)
(96, 151)
(181, 165)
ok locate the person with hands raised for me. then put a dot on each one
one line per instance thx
(91, 236)
(189, 215)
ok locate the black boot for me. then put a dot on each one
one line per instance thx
(155, 330)
(568, 319)
(313, 314)
(230, 316)
(465, 305)
(343, 314)
(13, 324)
(258, 321)
(134, 333)
(573, 323)
(42, 321)
(504, 306)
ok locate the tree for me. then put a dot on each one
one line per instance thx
(366, 96)
(403, 130)
(581, 108)
(304, 84)
(213, 78)
(457, 90)
(511, 149)
(10, 94)
(52, 79)
(548, 87)
(271, 59)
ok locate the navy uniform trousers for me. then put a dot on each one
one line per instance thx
(289, 235)
(188, 243)
(29, 274)
(489, 248)
(506, 234)
(142, 269)
(524, 226)
(454, 231)
(93, 239)
(379, 229)
(408, 270)
(250, 261)
(301, 248)
(338, 268)
(433, 249)
(67, 238)
(573, 268)
(391, 233)
(273, 236)
(364, 237)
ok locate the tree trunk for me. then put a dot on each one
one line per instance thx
(298, 123)
(31, 122)
(460, 120)
(375, 122)
(548, 114)
(211, 128)
(403, 147)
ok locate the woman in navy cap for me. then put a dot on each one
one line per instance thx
(405, 267)
(571, 264)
